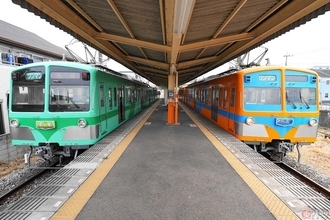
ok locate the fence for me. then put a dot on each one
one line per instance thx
(8, 151)
(324, 118)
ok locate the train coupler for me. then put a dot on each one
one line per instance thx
(285, 147)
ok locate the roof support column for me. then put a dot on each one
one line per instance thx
(176, 96)
(170, 101)
(173, 89)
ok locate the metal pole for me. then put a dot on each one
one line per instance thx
(176, 113)
(286, 58)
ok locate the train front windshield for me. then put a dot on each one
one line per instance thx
(262, 95)
(300, 96)
(69, 89)
(266, 90)
(294, 95)
(28, 90)
(300, 89)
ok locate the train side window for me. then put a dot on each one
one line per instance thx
(207, 98)
(224, 98)
(138, 94)
(215, 96)
(196, 95)
(232, 98)
(220, 96)
(101, 95)
(128, 95)
(134, 95)
(110, 97)
(115, 95)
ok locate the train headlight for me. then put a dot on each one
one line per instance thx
(82, 123)
(14, 123)
(313, 122)
(249, 121)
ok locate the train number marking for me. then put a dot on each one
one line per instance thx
(284, 122)
(45, 124)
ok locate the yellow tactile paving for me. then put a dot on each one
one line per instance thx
(71, 208)
(279, 209)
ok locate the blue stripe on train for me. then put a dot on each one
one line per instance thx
(266, 120)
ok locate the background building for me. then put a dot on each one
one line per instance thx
(324, 80)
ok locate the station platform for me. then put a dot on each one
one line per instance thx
(170, 172)
(147, 169)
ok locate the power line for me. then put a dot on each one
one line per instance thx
(313, 50)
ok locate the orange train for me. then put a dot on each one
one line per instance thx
(271, 108)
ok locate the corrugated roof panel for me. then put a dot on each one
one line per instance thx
(15, 35)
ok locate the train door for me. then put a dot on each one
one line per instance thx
(231, 109)
(214, 103)
(121, 103)
(103, 110)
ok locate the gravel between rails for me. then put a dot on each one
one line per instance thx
(12, 180)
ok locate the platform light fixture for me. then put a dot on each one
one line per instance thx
(182, 12)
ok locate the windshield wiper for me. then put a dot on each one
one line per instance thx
(303, 100)
(77, 106)
(58, 105)
(287, 98)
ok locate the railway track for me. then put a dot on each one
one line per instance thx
(18, 186)
(4, 195)
(324, 132)
(317, 187)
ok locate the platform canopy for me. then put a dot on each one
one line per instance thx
(153, 38)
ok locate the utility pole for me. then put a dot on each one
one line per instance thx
(286, 58)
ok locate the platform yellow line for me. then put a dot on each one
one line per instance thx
(275, 205)
(71, 208)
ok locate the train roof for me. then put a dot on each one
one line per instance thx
(249, 70)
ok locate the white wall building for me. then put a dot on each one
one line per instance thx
(4, 88)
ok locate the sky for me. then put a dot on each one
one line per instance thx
(306, 46)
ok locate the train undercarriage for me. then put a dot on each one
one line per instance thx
(277, 149)
(51, 150)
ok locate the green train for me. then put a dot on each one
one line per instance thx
(59, 107)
